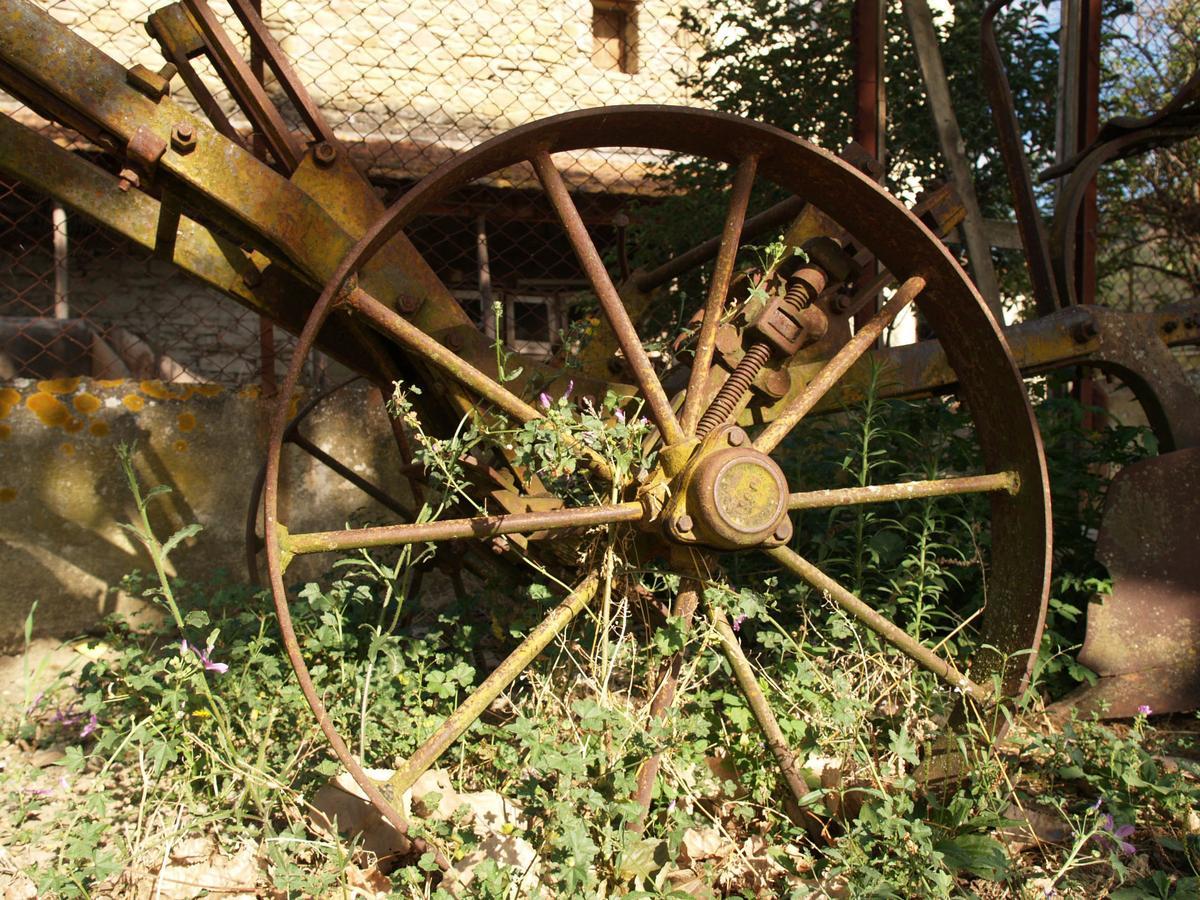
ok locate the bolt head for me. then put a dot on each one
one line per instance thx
(325, 153)
(735, 437)
(783, 531)
(683, 524)
(183, 138)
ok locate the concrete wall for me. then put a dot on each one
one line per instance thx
(62, 493)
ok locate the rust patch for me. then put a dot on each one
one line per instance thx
(8, 495)
(133, 402)
(181, 446)
(187, 421)
(58, 385)
(8, 399)
(160, 391)
(49, 409)
(99, 429)
(86, 403)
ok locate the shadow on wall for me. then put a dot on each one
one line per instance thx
(63, 495)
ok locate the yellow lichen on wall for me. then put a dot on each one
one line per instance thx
(48, 408)
(8, 399)
(187, 421)
(160, 391)
(86, 403)
(58, 385)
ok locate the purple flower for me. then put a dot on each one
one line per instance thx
(91, 726)
(570, 387)
(737, 622)
(619, 415)
(1144, 710)
(1110, 832)
(544, 399)
(1096, 805)
(219, 667)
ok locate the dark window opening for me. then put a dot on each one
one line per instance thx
(614, 36)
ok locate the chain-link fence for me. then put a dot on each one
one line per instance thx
(405, 86)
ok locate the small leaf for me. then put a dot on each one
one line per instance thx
(182, 534)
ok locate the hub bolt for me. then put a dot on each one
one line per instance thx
(683, 524)
(736, 437)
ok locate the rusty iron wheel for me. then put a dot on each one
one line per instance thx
(707, 475)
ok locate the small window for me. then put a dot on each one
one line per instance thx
(614, 36)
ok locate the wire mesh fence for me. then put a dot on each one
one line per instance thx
(406, 86)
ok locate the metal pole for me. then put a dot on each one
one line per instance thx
(58, 222)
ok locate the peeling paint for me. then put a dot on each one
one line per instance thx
(58, 385)
(187, 421)
(133, 402)
(86, 403)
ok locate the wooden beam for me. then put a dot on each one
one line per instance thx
(937, 89)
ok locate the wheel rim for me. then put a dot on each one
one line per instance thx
(990, 383)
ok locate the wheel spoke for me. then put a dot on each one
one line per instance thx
(1009, 482)
(500, 678)
(459, 529)
(747, 682)
(838, 365)
(718, 287)
(897, 637)
(683, 608)
(610, 301)
(428, 350)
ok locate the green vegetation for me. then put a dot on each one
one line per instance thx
(194, 726)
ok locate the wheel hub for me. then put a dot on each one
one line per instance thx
(729, 497)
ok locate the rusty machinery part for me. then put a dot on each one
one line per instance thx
(1142, 637)
(732, 491)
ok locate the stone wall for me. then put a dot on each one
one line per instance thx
(412, 81)
(62, 493)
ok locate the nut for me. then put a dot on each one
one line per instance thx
(1084, 331)
(735, 436)
(325, 154)
(684, 524)
(183, 138)
(777, 383)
